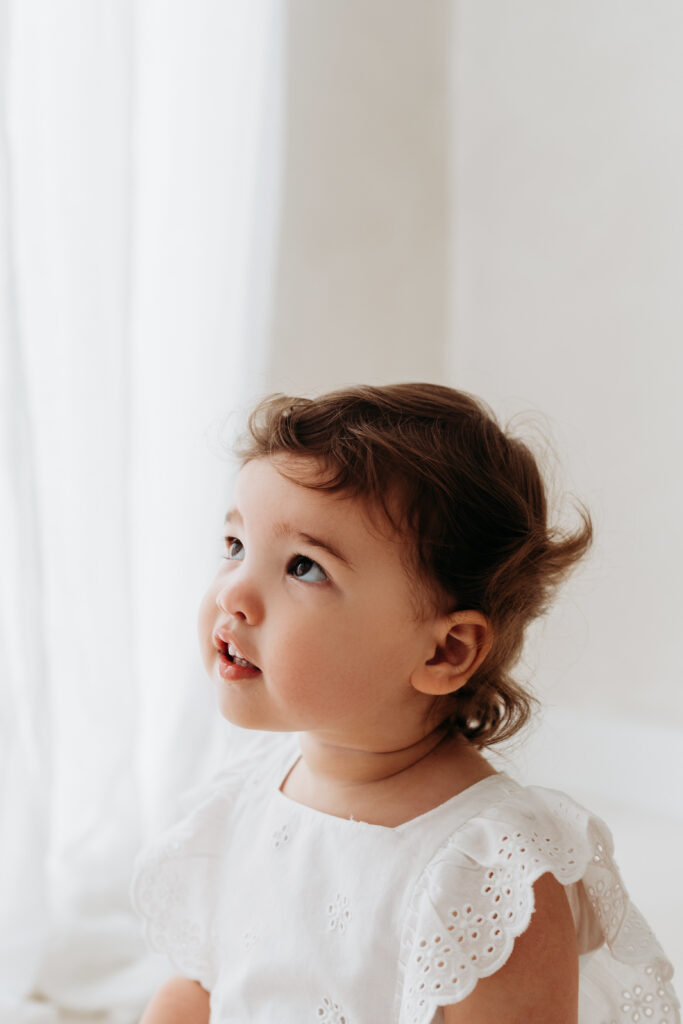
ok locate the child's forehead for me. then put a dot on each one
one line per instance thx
(306, 485)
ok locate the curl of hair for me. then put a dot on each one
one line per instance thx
(471, 496)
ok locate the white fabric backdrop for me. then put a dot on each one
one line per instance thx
(140, 161)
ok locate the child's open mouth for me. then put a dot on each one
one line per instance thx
(236, 658)
(231, 659)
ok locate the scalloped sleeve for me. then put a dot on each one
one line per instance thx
(176, 879)
(476, 897)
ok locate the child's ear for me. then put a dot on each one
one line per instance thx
(463, 639)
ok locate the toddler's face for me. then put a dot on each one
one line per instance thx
(318, 601)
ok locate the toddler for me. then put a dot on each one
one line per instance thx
(384, 553)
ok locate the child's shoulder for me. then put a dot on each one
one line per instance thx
(492, 850)
(495, 839)
(476, 896)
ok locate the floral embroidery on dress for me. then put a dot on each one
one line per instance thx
(498, 883)
(280, 837)
(649, 1000)
(251, 937)
(338, 913)
(609, 903)
(638, 1003)
(331, 1013)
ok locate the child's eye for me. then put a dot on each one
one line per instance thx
(235, 549)
(306, 569)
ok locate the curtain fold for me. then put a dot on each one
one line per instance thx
(133, 243)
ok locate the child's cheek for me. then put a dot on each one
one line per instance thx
(206, 622)
(300, 669)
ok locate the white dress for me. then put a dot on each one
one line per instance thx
(288, 914)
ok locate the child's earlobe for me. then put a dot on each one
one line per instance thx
(463, 641)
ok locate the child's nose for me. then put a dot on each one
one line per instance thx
(240, 599)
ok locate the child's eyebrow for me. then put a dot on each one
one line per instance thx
(287, 530)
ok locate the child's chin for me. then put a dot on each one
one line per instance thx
(241, 714)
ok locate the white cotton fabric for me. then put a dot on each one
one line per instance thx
(285, 913)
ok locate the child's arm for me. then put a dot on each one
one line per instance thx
(540, 981)
(178, 1001)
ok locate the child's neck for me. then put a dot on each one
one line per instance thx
(347, 767)
(388, 787)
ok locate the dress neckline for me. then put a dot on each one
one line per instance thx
(472, 794)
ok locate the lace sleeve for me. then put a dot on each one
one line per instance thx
(175, 884)
(476, 897)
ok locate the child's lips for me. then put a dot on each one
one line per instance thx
(233, 671)
(228, 649)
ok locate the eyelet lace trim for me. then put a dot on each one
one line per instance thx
(453, 937)
(330, 1012)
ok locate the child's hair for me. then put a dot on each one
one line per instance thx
(472, 498)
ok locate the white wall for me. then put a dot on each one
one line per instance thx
(568, 246)
(361, 288)
(567, 269)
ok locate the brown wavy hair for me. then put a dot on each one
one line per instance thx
(471, 496)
